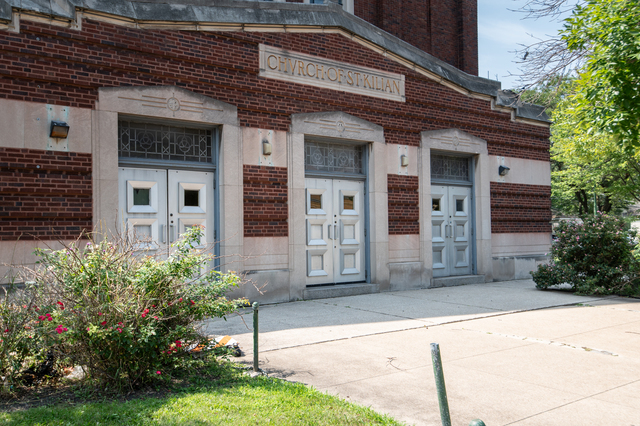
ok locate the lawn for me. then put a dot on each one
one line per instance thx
(231, 399)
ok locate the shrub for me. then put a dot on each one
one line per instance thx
(122, 313)
(18, 339)
(594, 257)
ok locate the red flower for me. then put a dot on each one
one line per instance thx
(49, 319)
(192, 302)
(6, 331)
(120, 323)
(178, 343)
(119, 330)
(180, 300)
(103, 323)
(158, 372)
(99, 313)
(144, 314)
(41, 317)
(61, 305)
(155, 317)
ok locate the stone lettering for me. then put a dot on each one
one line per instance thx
(314, 70)
(299, 68)
(366, 82)
(269, 62)
(350, 78)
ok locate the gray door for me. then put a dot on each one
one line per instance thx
(451, 226)
(158, 205)
(335, 231)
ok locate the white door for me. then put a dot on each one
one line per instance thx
(190, 198)
(335, 231)
(159, 205)
(451, 230)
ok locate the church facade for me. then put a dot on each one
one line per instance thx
(327, 148)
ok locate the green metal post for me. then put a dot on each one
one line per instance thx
(442, 391)
(255, 336)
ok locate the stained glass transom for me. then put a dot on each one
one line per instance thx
(333, 158)
(450, 168)
(169, 143)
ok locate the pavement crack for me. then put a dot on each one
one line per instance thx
(545, 342)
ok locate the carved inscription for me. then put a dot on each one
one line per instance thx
(320, 72)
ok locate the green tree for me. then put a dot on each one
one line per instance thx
(600, 46)
(588, 165)
(606, 91)
(584, 165)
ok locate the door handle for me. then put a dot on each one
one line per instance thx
(446, 231)
(162, 233)
(171, 236)
(329, 232)
(335, 232)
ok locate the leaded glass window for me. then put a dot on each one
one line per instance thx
(167, 143)
(450, 168)
(333, 158)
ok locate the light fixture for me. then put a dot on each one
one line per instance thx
(503, 171)
(266, 148)
(59, 129)
(404, 161)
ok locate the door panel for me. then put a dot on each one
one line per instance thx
(439, 228)
(190, 200)
(348, 243)
(335, 231)
(143, 206)
(460, 220)
(451, 230)
(320, 230)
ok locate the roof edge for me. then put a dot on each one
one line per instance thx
(300, 15)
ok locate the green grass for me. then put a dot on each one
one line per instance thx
(234, 399)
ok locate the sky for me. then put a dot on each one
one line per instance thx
(501, 31)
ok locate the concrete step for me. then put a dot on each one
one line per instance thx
(457, 280)
(325, 292)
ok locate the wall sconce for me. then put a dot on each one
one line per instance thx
(404, 161)
(503, 171)
(266, 148)
(59, 129)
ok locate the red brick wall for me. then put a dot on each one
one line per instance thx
(517, 208)
(65, 67)
(265, 201)
(44, 195)
(404, 210)
(447, 29)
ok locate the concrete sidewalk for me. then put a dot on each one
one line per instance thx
(511, 354)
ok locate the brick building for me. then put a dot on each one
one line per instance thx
(329, 148)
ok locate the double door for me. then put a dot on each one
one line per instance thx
(158, 205)
(335, 231)
(451, 225)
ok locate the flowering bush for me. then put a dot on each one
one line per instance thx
(18, 340)
(122, 313)
(594, 257)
